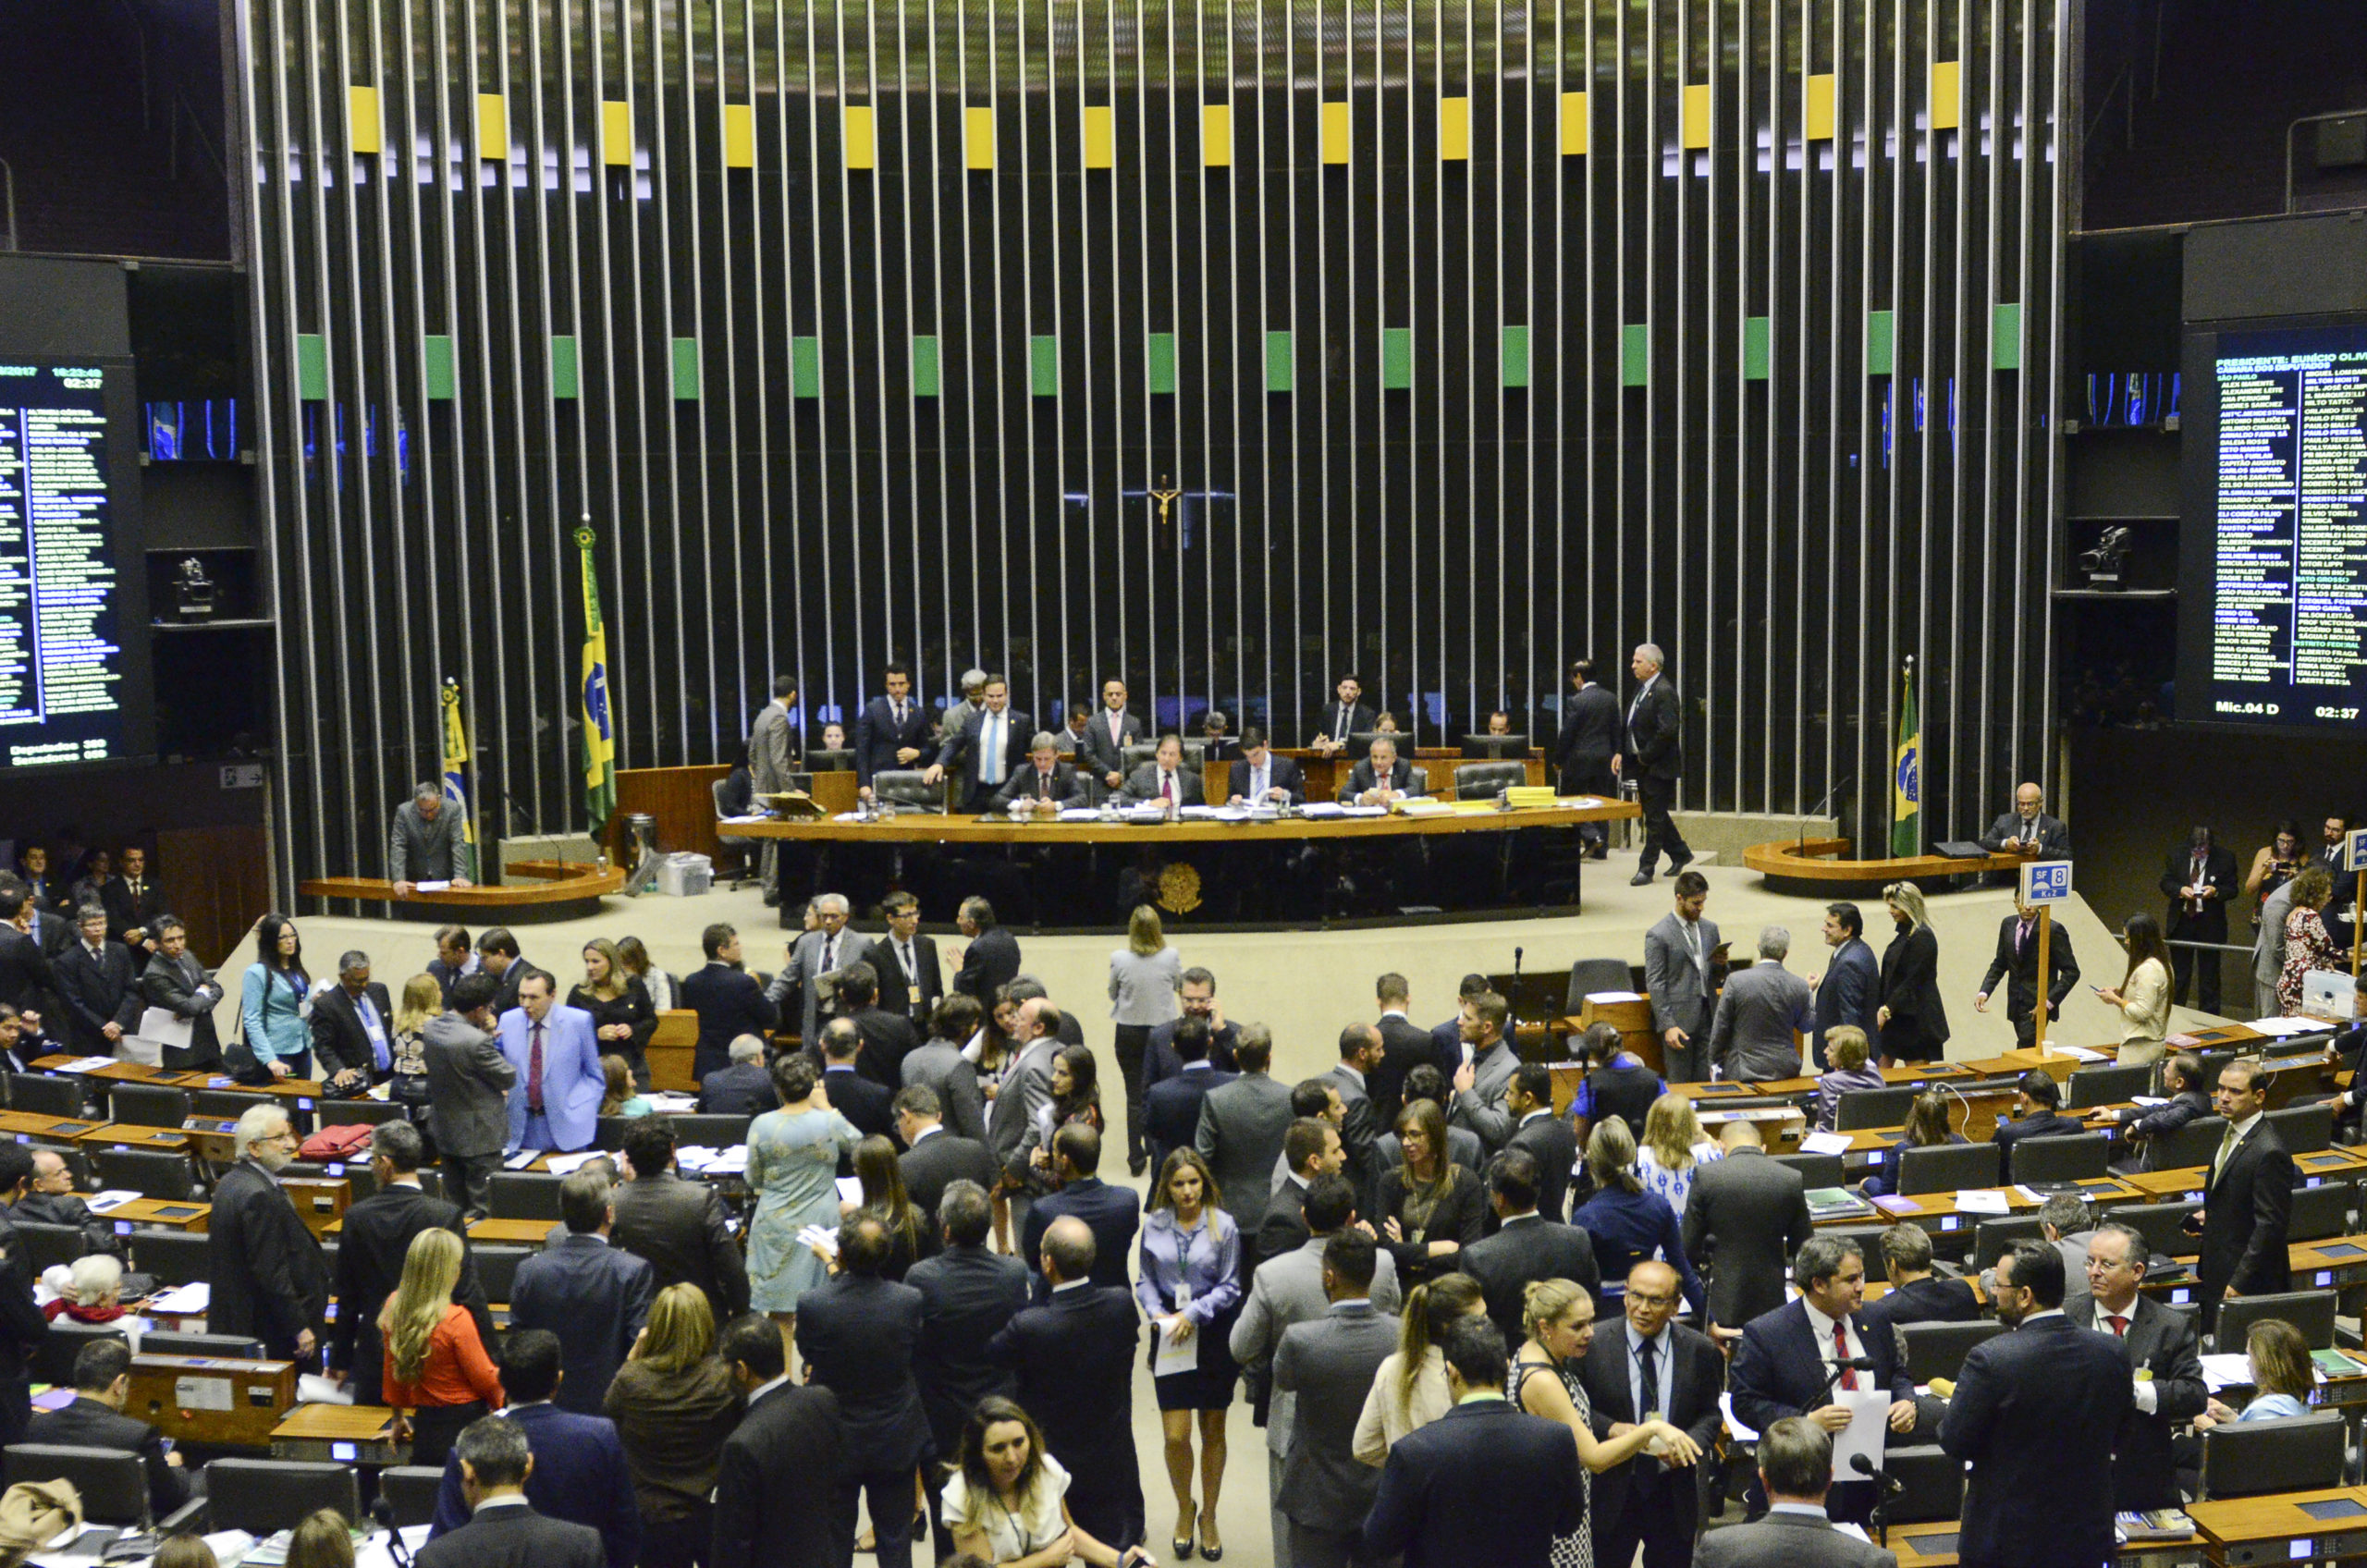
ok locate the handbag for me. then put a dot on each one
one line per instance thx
(338, 1143)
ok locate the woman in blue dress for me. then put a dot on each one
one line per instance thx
(275, 1008)
(793, 1168)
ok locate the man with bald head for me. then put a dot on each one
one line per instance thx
(1074, 1357)
(2027, 830)
(1649, 1366)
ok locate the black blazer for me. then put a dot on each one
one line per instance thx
(633, 1008)
(596, 1298)
(1074, 1360)
(1919, 1020)
(678, 1226)
(989, 961)
(1064, 787)
(968, 1296)
(1461, 1215)
(1524, 1251)
(1483, 1486)
(1779, 1367)
(2054, 838)
(338, 1039)
(965, 750)
(888, 1037)
(2245, 1214)
(857, 1338)
(1363, 777)
(86, 1423)
(1284, 1229)
(128, 911)
(878, 738)
(1360, 721)
(269, 1279)
(1281, 773)
(516, 1537)
(1160, 1063)
(730, 1003)
(2163, 1341)
(1404, 1046)
(745, 1088)
(1587, 740)
(1656, 733)
(936, 1160)
(1551, 1141)
(1114, 1215)
(174, 987)
(2043, 1124)
(377, 1237)
(28, 979)
(2218, 873)
(1934, 1299)
(896, 986)
(863, 1102)
(2035, 1413)
(2020, 963)
(1172, 1110)
(580, 1476)
(1696, 1379)
(98, 992)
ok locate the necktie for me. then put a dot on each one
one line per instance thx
(829, 954)
(534, 1072)
(899, 716)
(2022, 936)
(1347, 717)
(1841, 1353)
(1648, 1362)
(2119, 1325)
(1167, 787)
(994, 748)
(1116, 724)
(1043, 785)
(1257, 785)
(2226, 1147)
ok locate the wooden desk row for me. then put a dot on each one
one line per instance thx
(2313, 1526)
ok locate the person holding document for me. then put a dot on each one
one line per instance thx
(174, 983)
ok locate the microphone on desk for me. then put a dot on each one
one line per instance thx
(381, 1512)
(1865, 1466)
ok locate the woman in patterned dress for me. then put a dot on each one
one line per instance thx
(2307, 945)
(1545, 1381)
(794, 1168)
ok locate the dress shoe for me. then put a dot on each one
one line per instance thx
(1641, 879)
(1676, 866)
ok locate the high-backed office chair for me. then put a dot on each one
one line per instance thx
(841, 761)
(1937, 1350)
(2321, 1211)
(903, 789)
(1930, 1484)
(1487, 780)
(1991, 1237)
(743, 846)
(1816, 1169)
(1874, 1108)
(2306, 1128)
(153, 1173)
(265, 1495)
(2107, 1085)
(226, 1105)
(1591, 974)
(147, 1105)
(360, 1113)
(2310, 1311)
(2290, 1453)
(229, 1347)
(2160, 1224)
(54, 1355)
(702, 1130)
(2072, 1158)
(112, 1485)
(409, 1491)
(174, 1257)
(498, 1268)
(44, 1095)
(1946, 1168)
(524, 1195)
(1134, 756)
(2195, 1144)
(1495, 748)
(1420, 783)
(46, 1247)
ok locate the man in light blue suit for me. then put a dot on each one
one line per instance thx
(555, 1102)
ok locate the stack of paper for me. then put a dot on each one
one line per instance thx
(1825, 1143)
(182, 1301)
(114, 1197)
(569, 1164)
(1982, 1201)
(1322, 811)
(821, 1241)
(698, 1159)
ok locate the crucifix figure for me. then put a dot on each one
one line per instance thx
(1164, 496)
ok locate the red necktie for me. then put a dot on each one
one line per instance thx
(2119, 1325)
(1167, 787)
(534, 1072)
(1841, 1353)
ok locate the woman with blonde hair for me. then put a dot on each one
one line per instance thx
(1626, 1223)
(633, 957)
(422, 999)
(674, 1402)
(1673, 1149)
(437, 1375)
(1846, 1048)
(1145, 977)
(1912, 1019)
(1189, 1285)
(616, 1099)
(1410, 1389)
(1559, 1314)
(623, 1017)
(1431, 1208)
(2306, 944)
(2282, 1379)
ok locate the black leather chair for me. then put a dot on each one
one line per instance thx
(44, 1095)
(1862, 1108)
(524, 1195)
(2107, 1085)
(174, 1257)
(1937, 1350)
(409, 1491)
(2310, 1311)
(1946, 1167)
(2290, 1453)
(112, 1485)
(265, 1496)
(903, 789)
(147, 1105)
(2069, 1158)
(1487, 780)
(153, 1173)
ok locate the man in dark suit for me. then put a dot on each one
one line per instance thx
(888, 1035)
(1196, 992)
(1114, 728)
(986, 749)
(781, 1467)
(1545, 1137)
(1163, 780)
(2036, 1094)
(677, 1225)
(1261, 777)
(1486, 1484)
(1644, 1365)
(1654, 758)
(2199, 881)
(268, 1280)
(991, 961)
(2182, 1085)
(1587, 740)
(593, 1295)
(1075, 1359)
(1795, 1469)
(353, 1026)
(1351, 715)
(1242, 1127)
(1741, 1226)
(1404, 1046)
(892, 732)
(468, 1088)
(2162, 1343)
(1171, 1107)
(1381, 778)
(1112, 1214)
(744, 1088)
(1329, 1364)
(1359, 1054)
(579, 1473)
(1046, 785)
(729, 1001)
(909, 981)
(1789, 1360)
(133, 903)
(96, 1419)
(2017, 958)
(862, 1101)
(96, 979)
(23, 1325)
(933, 1158)
(1849, 990)
(1310, 1148)
(2249, 1199)
(968, 1295)
(498, 955)
(375, 1240)
(175, 982)
(2027, 830)
(504, 1530)
(2035, 1415)
(1527, 1246)
(27, 978)
(1917, 1294)
(856, 1334)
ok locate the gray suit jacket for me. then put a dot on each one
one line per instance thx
(1143, 785)
(1287, 1290)
(467, 1085)
(1327, 1367)
(1746, 1217)
(805, 971)
(1108, 757)
(769, 750)
(1751, 1037)
(940, 1064)
(1788, 1540)
(1242, 1127)
(1680, 993)
(2268, 939)
(421, 851)
(1027, 1086)
(1482, 1109)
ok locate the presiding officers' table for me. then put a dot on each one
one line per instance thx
(1080, 872)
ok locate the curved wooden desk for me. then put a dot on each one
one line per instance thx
(917, 828)
(1814, 866)
(559, 890)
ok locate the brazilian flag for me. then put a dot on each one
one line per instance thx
(1906, 776)
(599, 741)
(456, 780)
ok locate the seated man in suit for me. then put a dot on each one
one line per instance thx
(557, 1098)
(1164, 778)
(2016, 965)
(1789, 1360)
(1264, 778)
(1527, 1246)
(984, 748)
(1113, 1214)
(2036, 1097)
(1917, 1294)
(1350, 716)
(1795, 1469)
(2182, 1085)
(1381, 777)
(579, 1473)
(2027, 830)
(744, 1088)
(594, 1296)
(1044, 785)
(494, 1461)
(96, 1419)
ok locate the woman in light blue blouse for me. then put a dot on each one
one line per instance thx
(1190, 1289)
(275, 1008)
(2282, 1379)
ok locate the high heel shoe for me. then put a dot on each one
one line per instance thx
(1182, 1546)
(1211, 1549)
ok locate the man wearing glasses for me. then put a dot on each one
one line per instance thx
(1651, 1367)
(269, 1279)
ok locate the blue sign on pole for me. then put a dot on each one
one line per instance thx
(2046, 881)
(2354, 851)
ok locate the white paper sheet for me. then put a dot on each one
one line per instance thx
(850, 1190)
(182, 1300)
(821, 1241)
(313, 1389)
(432, 887)
(1982, 1201)
(1176, 1356)
(2230, 1370)
(114, 1197)
(1826, 1143)
(1869, 1419)
(569, 1164)
(2276, 1028)
(164, 1028)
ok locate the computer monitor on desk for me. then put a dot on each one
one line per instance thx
(1496, 748)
